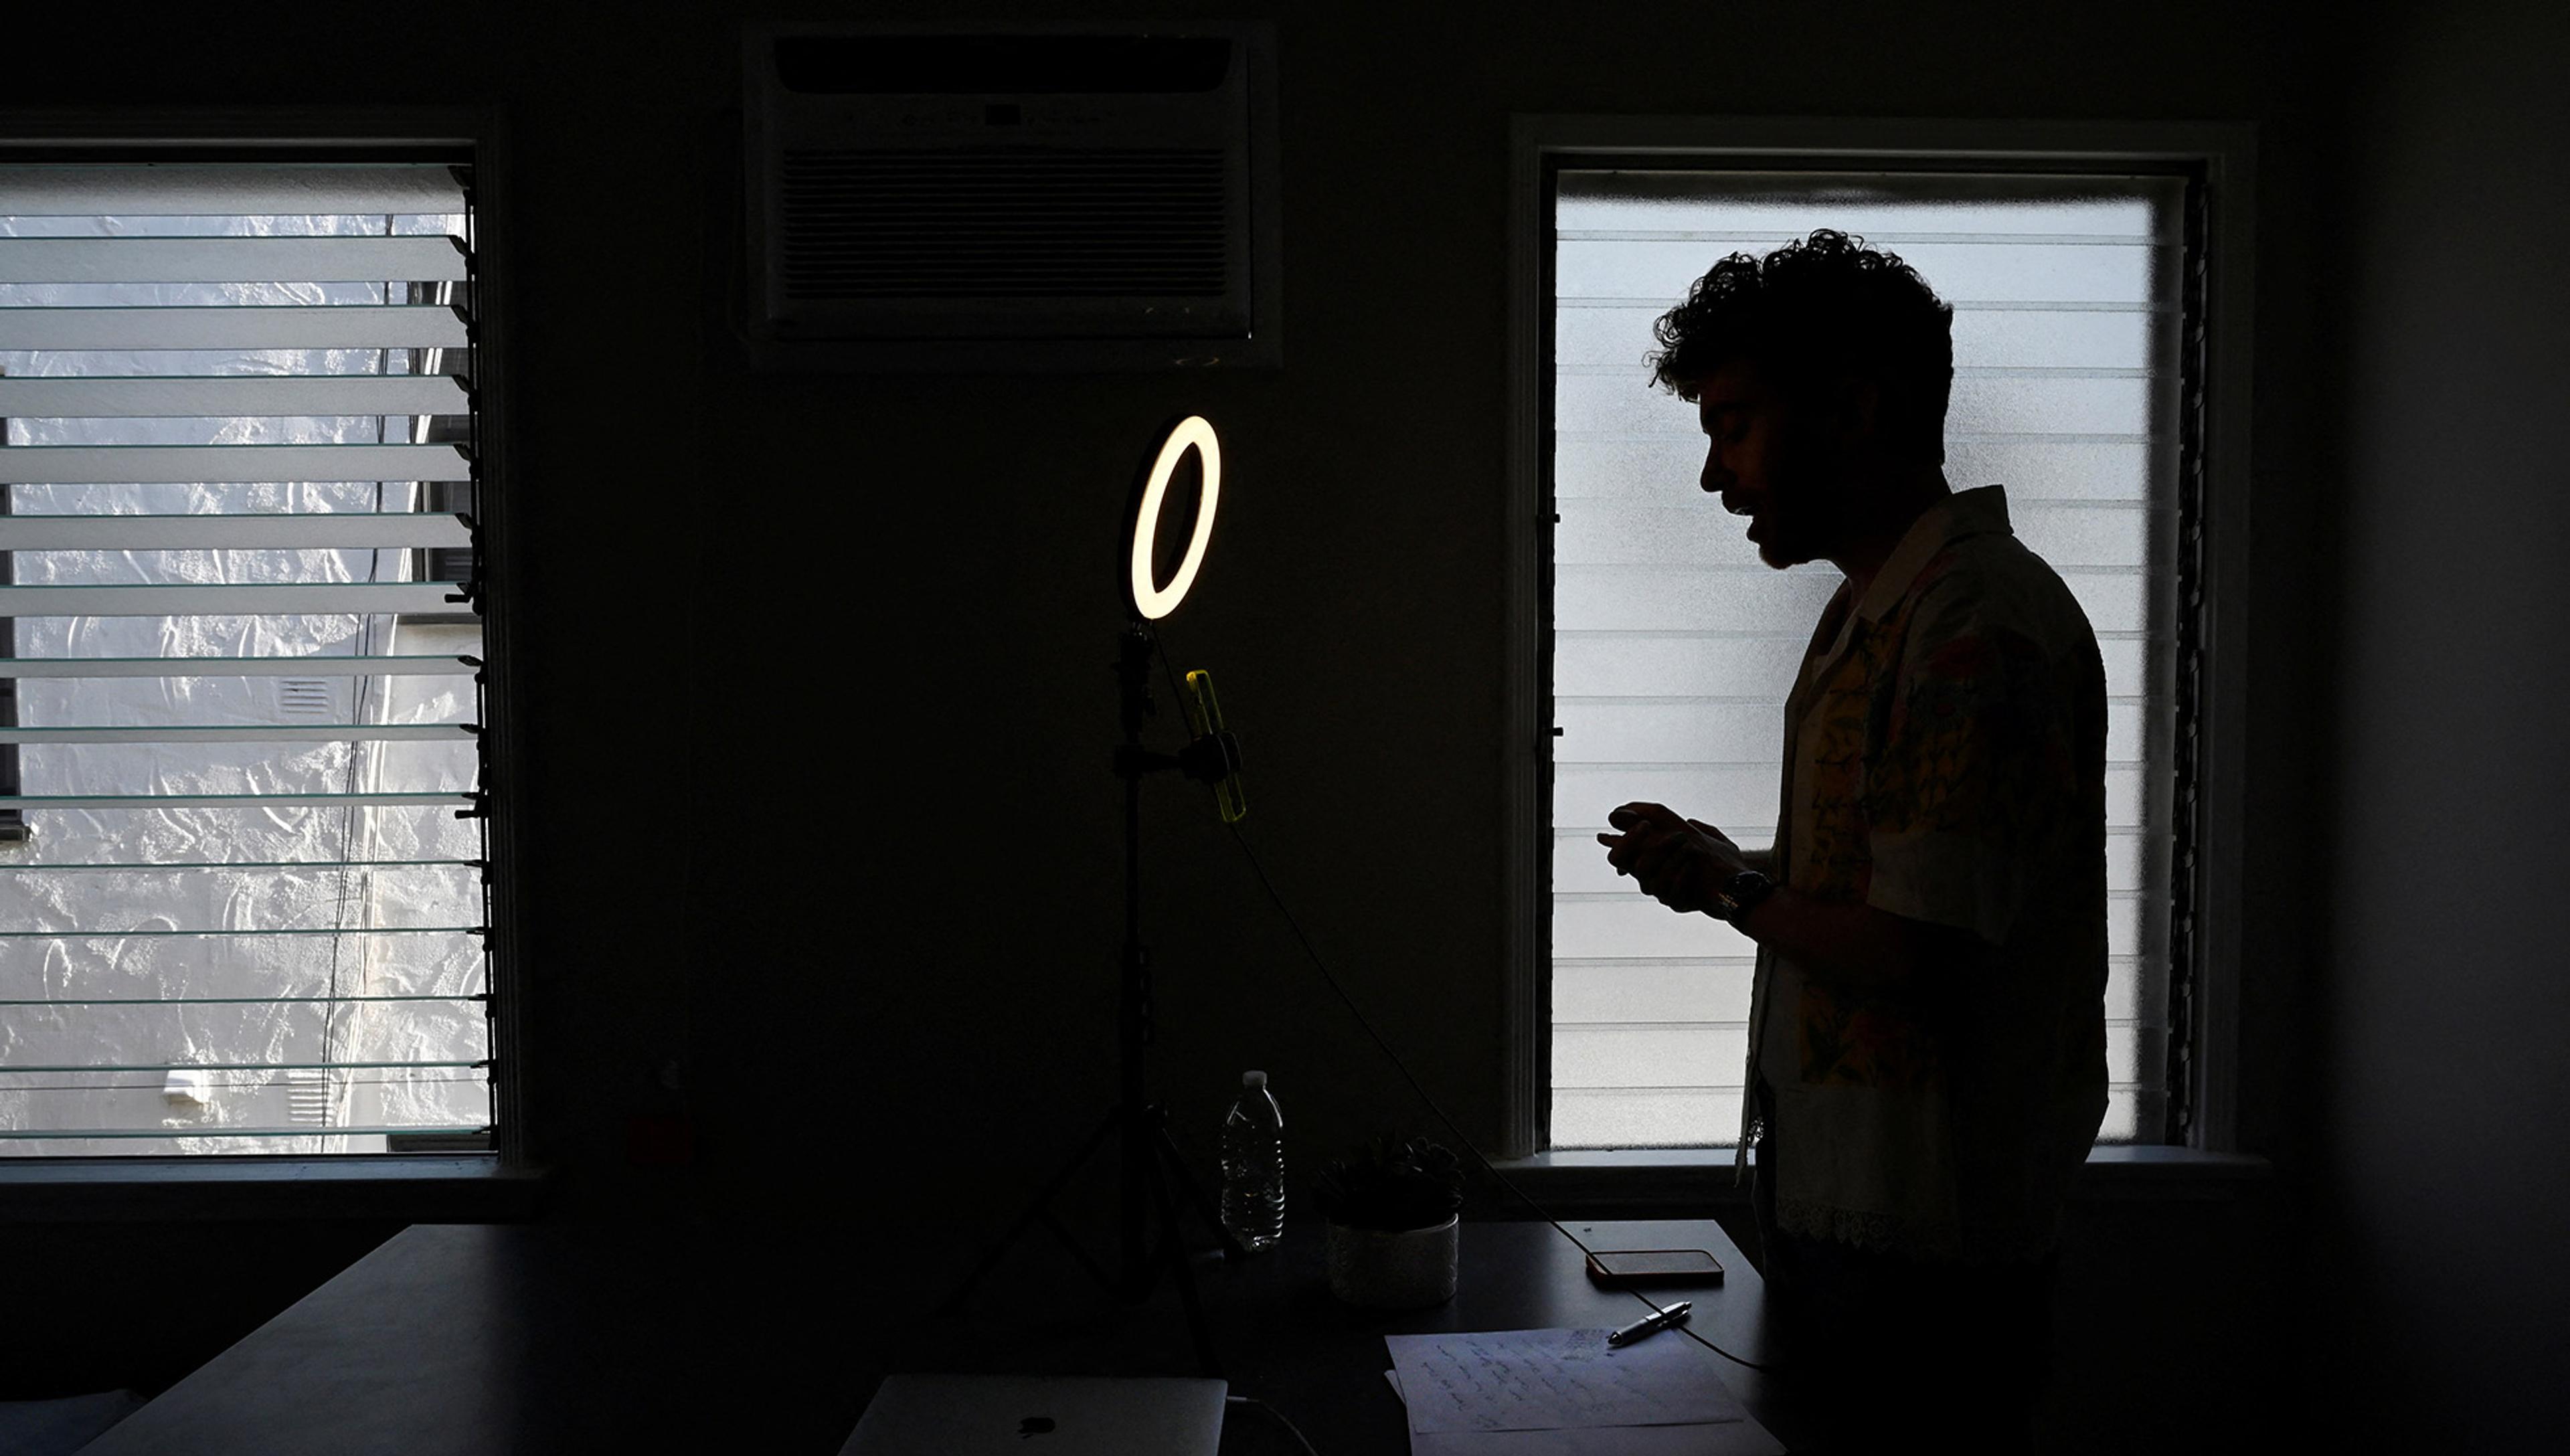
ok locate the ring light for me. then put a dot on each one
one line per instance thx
(1152, 599)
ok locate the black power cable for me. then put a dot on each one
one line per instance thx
(1278, 1416)
(1278, 900)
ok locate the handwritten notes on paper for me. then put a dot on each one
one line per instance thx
(1554, 1379)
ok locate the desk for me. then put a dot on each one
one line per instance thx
(473, 1340)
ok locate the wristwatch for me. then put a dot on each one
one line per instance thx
(1740, 895)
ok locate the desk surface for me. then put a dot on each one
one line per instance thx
(481, 1339)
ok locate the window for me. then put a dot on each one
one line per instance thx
(250, 910)
(2079, 351)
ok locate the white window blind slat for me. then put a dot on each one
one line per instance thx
(394, 528)
(204, 397)
(1612, 467)
(1745, 794)
(282, 1130)
(1648, 1056)
(142, 871)
(1644, 1117)
(120, 775)
(1980, 273)
(2100, 535)
(1670, 732)
(435, 256)
(1577, 867)
(2070, 339)
(1651, 664)
(2026, 404)
(1611, 664)
(1628, 533)
(1642, 1058)
(225, 190)
(1637, 927)
(307, 665)
(130, 801)
(1590, 594)
(292, 598)
(224, 326)
(243, 733)
(1590, 993)
(1729, 795)
(1693, 732)
(97, 465)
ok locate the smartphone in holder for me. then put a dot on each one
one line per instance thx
(1638, 1268)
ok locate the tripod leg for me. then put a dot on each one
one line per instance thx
(1173, 1253)
(1038, 1209)
(1178, 1169)
(1087, 1260)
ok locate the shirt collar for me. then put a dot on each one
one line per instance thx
(1966, 513)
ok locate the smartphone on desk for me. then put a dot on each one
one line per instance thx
(1641, 1268)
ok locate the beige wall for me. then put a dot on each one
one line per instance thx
(2440, 1279)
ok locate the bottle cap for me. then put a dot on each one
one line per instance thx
(1253, 1080)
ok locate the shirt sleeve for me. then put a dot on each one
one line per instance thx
(1974, 768)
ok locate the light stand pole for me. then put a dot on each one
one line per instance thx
(1149, 1163)
(1133, 1001)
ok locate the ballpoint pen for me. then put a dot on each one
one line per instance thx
(1650, 1325)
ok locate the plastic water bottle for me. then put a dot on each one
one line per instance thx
(1253, 1167)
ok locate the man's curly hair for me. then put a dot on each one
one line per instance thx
(1815, 311)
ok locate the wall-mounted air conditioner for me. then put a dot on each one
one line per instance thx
(1029, 196)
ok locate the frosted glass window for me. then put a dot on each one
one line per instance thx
(1673, 646)
(242, 900)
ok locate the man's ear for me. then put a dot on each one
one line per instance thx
(1865, 408)
(1856, 403)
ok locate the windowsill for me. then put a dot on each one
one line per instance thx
(1638, 1181)
(409, 1188)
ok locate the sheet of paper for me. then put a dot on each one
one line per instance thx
(1722, 1438)
(1743, 1437)
(1554, 1379)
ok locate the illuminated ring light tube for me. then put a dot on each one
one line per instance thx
(1155, 602)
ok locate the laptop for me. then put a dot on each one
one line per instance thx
(1039, 1415)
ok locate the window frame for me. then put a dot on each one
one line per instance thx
(2222, 158)
(507, 1182)
(13, 821)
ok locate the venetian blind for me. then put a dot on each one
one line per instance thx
(1674, 646)
(246, 912)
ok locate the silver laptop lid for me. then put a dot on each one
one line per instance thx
(1039, 1415)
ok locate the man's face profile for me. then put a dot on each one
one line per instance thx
(1769, 462)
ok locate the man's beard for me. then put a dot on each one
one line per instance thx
(1786, 542)
(1803, 510)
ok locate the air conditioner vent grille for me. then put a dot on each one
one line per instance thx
(1003, 224)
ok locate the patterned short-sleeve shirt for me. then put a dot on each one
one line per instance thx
(1945, 762)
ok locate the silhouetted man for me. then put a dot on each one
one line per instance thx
(1926, 1034)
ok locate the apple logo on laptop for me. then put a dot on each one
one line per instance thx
(1034, 1425)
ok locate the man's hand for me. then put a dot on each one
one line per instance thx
(1679, 862)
